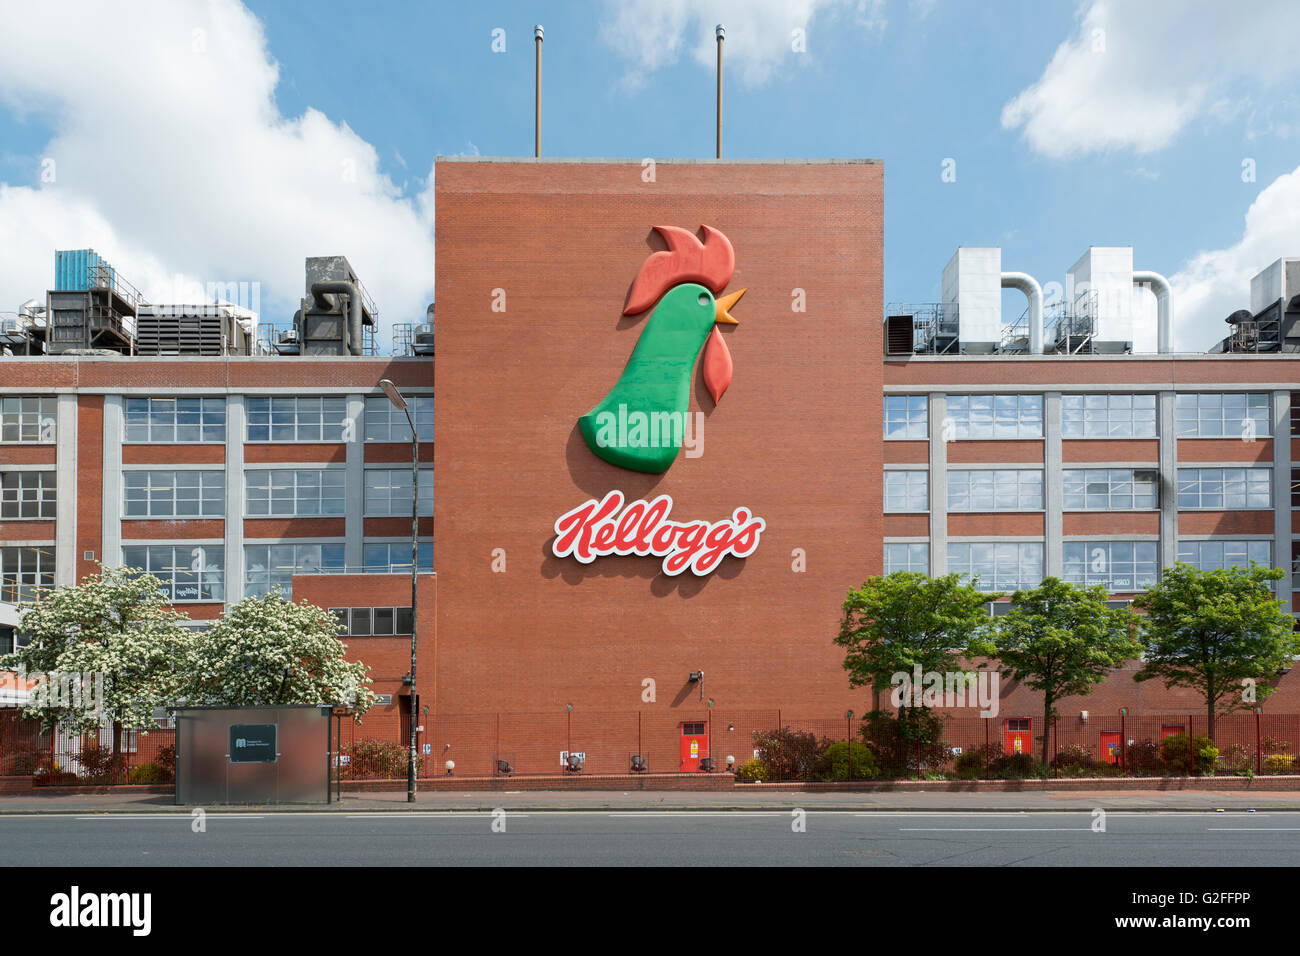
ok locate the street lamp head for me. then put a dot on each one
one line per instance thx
(393, 394)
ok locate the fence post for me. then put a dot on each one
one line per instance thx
(1056, 745)
(1123, 741)
(986, 747)
(1259, 756)
(1191, 747)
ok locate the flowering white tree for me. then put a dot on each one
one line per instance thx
(267, 651)
(116, 625)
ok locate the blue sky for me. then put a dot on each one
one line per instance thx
(1139, 143)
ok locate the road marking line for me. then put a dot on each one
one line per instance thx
(995, 829)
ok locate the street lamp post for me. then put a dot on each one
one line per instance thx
(396, 398)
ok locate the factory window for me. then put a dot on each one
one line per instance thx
(1109, 489)
(1115, 565)
(1228, 415)
(271, 565)
(174, 494)
(907, 557)
(907, 490)
(188, 420)
(27, 494)
(1224, 489)
(1295, 487)
(25, 573)
(295, 492)
(386, 422)
(1295, 413)
(995, 416)
(297, 419)
(187, 572)
(999, 489)
(998, 565)
(395, 557)
(906, 416)
(1295, 564)
(28, 418)
(373, 621)
(1108, 416)
(1218, 553)
(388, 492)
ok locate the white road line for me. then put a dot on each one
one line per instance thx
(1253, 829)
(995, 829)
(184, 817)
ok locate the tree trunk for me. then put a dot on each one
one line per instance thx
(1209, 723)
(1047, 723)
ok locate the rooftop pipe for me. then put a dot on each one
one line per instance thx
(1164, 304)
(1034, 293)
(321, 291)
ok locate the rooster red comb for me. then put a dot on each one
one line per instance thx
(710, 263)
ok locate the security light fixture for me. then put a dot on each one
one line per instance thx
(393, 394)
(696, 676)
(731, 762)
(451, 766)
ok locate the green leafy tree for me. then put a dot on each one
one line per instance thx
(895, 622)
(116, 624)
(1212, 630)
(267, 651)
(1062, 640)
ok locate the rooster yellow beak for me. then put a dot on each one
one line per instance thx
(724, 304)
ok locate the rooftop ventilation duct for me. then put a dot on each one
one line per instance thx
(1027, 284)
(1164, 304)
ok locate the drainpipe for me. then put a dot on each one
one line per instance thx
(321, 291)
(1164, 304)
(1034, 293)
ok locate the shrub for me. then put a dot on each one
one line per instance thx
(150, 773)
(970, 764)
(1177, 756)
(834, 763)
(788, 754)
(24, 763)
(381, 758)
(1143, 758)
(1279, 763)
(1076, 760)
(753, 771)
(1238, 759)
(99, 764)
(907, 743)
(1020, 766)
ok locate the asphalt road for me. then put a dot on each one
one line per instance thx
(641, 838)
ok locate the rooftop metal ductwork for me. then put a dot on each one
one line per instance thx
(1164, 305)
(326, 326)
(1027, 284)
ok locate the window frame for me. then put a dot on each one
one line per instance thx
(1067, 477)
(298, 567)
(394, 419)
(16, 589)
(46, 495)
(909, 477)
(203, 576)
(1071, 416)
(207, 405)
(276, 404)
(1183, 400)
(426, 493)
(995, 473)
(1249, 474)
(915, 412)
(997, 402)
(912, 548)
(984, 585)
(206, 482)
(1224, 542)
(337, 476)
(47, 410)
(1139, 573)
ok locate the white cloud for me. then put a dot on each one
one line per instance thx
(1134, 75)
(653, 33)
(171, 157)
(1216, 283)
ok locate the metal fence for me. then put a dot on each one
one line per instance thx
(483, 745)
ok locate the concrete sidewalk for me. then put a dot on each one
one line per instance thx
(604, 800)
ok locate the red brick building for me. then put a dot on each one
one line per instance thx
(1008, 459)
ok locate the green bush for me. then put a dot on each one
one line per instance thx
(753, 771)
(381, 758)
(970, 764)
(1144, 758)
(1279, 763)
(150, 773)
(834, 763)
(788, 754)
(1177, 757)
(24, 763)
(1020, 766)
(1076, 760)
(907, 743)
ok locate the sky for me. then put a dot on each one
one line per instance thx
(194, 142)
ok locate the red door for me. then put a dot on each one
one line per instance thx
(695, 745)
(1019, 739)
(1170, 730)
(1110, 746)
